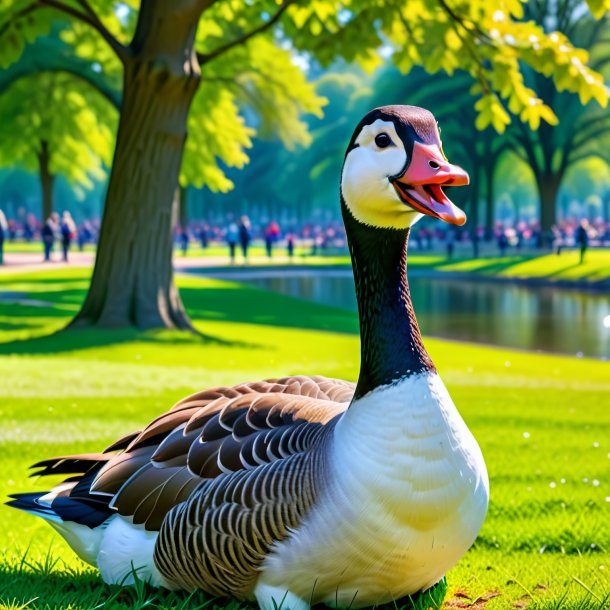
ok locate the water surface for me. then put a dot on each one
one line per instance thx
(534, 318)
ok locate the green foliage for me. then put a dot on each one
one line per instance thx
(251, 74)
(76, 123)
(489, 40)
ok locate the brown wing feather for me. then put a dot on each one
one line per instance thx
(219, 537)
(210, 436)
(213, 433)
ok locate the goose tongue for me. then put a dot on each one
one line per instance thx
(421, 185)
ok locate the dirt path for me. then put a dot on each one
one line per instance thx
(18, 262)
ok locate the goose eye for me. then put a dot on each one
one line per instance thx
(383, 140)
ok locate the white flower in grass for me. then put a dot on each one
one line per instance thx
(527, 435)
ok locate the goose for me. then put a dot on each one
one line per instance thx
(303, 490)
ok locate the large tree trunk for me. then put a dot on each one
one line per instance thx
(132, 282)
(47, 180)
(548, 187)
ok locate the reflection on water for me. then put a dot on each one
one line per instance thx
(547, 319)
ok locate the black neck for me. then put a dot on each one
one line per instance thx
(391, 344)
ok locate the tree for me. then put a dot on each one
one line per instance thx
(241, 52)
(558, 145)
(56, 126)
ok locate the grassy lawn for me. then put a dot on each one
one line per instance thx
(596, 267)
(542, 421)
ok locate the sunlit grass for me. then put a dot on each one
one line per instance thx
(595, 268)
(542, 421)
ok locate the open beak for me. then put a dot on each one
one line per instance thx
(421, 185)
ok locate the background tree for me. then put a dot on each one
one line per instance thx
(56, 126)
(166, 49)
(587, 180)
(555, 146)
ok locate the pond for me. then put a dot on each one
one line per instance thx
(533, 318)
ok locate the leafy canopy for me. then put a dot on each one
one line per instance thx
(74, 121)
(250, 52)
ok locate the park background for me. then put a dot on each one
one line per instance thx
(157, 125)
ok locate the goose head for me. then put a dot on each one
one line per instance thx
(395, 170)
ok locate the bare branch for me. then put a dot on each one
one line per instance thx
(205, 58)
(89, 17)
(96, 22)
(472, 28)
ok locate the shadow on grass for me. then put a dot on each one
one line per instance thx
(564, 269)
(231, 303)
(497, 266)
(41, 586)
(247, 305)
(235, 304)
(4, 325)
(70, 339)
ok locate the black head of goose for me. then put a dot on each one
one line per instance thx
(276, 491)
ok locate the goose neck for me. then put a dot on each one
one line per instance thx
(391, 343)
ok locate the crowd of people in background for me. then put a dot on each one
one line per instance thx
(314, 238)
(56, 229)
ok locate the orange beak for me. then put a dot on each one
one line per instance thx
(421, 185)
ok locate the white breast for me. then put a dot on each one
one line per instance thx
(406, 498)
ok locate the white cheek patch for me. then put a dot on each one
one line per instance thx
(365, 186)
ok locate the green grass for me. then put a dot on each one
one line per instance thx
(542, 421)
(566, 267)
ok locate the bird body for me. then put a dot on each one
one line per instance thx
(303, 490)
(365, 542)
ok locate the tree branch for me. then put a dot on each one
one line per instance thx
(588, 155)
(590, 130)
(96, 23)
(205, 58)
(22, 13)
(89, 17)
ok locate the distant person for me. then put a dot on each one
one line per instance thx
(85, 235)
(475, 243)
(203, 235)
(582, 239)
(68, 233)
(450, 242)
(183, 238)
(29, 227)
(502, 243)
(272, 234)
(232, 237)
(290, 245)
(245, 235)
(3, 234)
(48, 232)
